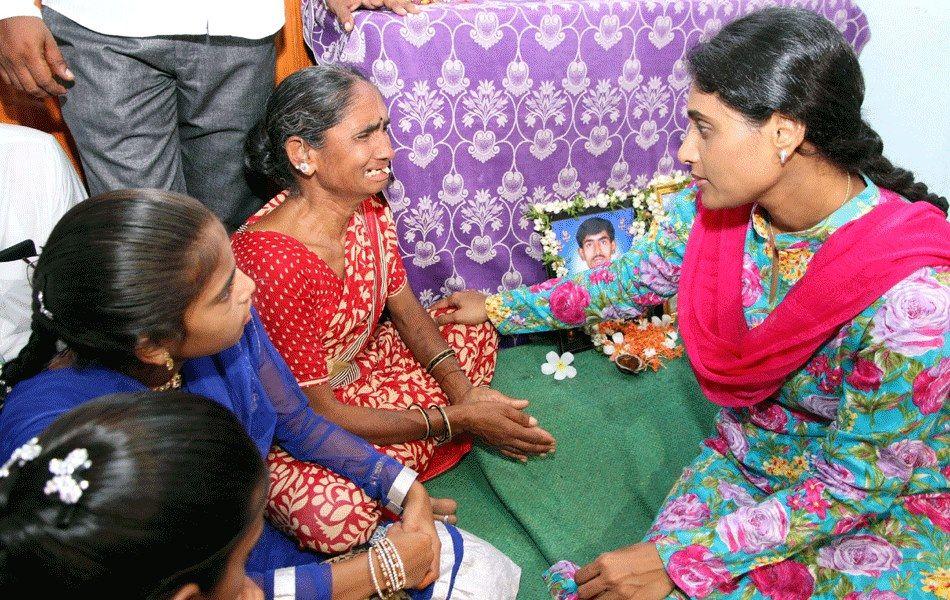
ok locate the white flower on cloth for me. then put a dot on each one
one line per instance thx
(559, 366)
(670, 341)
(616, 341)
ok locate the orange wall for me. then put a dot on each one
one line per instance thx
(20, 109)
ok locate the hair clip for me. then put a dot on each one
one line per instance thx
(64, 483)
(21, 456)
(43, 310)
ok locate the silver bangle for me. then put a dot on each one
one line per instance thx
(447, 435)
(417, 406)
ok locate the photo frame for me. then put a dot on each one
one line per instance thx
(644, 208)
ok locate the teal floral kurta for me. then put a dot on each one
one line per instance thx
(837, 486)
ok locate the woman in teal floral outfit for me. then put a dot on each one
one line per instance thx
(835, 483)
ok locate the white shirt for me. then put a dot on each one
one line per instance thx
(37, 185)
(250, 19)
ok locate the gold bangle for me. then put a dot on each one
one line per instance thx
(438, 358)
(447, 435)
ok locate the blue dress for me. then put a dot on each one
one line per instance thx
(252, 380)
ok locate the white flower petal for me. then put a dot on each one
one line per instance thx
(548, 368)
(617, 338)
(552, 357)
(567, 358)
(571, 372)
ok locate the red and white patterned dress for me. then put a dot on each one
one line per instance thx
(328, 331)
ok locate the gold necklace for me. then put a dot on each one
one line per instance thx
(775, 253)
(172, 384)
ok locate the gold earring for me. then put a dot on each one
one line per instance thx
(169, 363)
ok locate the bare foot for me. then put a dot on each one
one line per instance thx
(444, 510)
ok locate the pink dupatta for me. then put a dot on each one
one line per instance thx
(737, 366)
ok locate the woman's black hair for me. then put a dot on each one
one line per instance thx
(305, 104)
(117, 268)
(796, 63)
(174, 485)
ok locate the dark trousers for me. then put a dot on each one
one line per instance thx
(168, 112)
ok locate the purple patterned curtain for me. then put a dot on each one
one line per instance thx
(495, 104)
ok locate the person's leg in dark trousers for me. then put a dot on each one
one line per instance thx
(223, 85)
(122, 110)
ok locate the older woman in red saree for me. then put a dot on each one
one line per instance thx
(325, 257)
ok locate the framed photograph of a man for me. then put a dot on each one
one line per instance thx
(593, 240)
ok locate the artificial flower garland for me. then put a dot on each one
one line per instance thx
(638, 345)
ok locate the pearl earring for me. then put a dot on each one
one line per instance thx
(782, 156)
(304, 167)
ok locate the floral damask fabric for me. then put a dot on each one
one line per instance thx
(496, 104)
(317, 320)
(837, 486)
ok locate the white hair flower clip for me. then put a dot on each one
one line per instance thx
(64, 482)
(21, 456)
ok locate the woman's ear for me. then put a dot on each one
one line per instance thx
(299, 153)
(189, 592)
(787, 134)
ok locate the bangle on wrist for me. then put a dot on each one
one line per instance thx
(447, 435)
(438, 358)
(372, 571)
(417, 406)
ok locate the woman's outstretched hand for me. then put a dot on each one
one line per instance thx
(632, 572)
(499, 421)
(466, 307)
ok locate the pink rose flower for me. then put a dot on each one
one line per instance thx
(648, 299)
(751, 281)
(753, 529)
(787, 580)
(601, 275)
(696, 571)
(818, 365)
(861, 554)
(568, 302)
(731, 431)
(935, 507)
(915, 316)
(544, 285)
(931, 387)
(769, 416)
(684, 512)
(873, 595)
(865, 376)
(901, 458)
(718, 444)
(850, 523)
(831, 381)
